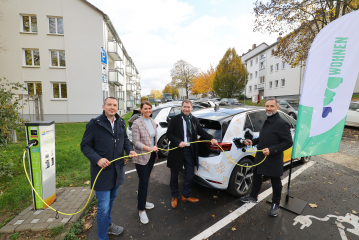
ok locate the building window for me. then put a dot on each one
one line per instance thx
(32, 57)
(283, 65)
(250, 88)
(251, 63)
(256, 73)
(276, 83)
(271, 68)
(262, 56)
(58, 58)
(29, 23)
(277, 67)
(59, 90)
(262, 66)
(256, 60)
(282, 82)
(261, 79)
(34, 88)
(56, 25)
(255, 87)
(250, 76)
(270, 85)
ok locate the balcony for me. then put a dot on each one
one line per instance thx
(129, 71)
(121, 104)
(114, 51)
(262, 72)
(116, 77)
(138, 80)
(130, 104)
(130, 87)
(131, 98)
(260, 86)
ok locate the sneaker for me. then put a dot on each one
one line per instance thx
(149, 205)
(143, 217)
(249, 199)
(114, 229)
(274, 210)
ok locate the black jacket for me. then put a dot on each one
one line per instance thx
(274, 135)
(176, 135)
(99, 141)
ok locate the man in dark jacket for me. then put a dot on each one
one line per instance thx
(105, 139)
(184, 128)
(274, 138)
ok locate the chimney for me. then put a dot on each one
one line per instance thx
(249, 50)
(254, 46)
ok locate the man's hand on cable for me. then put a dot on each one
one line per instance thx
(182, 144)
(266, 151)
(103, 163)
(214, 141)
(248, 142)
(132, 154)
(154, 148)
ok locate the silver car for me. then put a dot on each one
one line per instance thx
(353, 114)
(289, 106)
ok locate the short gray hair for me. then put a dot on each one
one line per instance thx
(273, 99)
(104, 102)
(187, 101)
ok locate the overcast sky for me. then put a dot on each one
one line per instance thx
(158, 33)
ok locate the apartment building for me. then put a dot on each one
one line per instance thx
(69, 52)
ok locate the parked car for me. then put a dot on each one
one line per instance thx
(290, 107)
(353, 114)
(215, 169)
(233, 101)
(160, 114)
(157, 100)
(205, 103)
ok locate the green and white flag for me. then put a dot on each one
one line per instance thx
(329, 80)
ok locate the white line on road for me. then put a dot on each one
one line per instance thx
(244, 208)
(134, 170)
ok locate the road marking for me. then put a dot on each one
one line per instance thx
(134, 170)
(244, 208)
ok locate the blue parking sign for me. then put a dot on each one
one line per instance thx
(103, 56)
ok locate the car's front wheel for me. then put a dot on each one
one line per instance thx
(293, 115)
(164, 144)
(305, 159)
(241, 181)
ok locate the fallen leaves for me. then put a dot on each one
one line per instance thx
(71, 185)
(215, 196)
(355, 212)
(234, 229)
(313, 205)
(87, 182)
(213, 216)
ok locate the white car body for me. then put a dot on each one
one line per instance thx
(353, 115)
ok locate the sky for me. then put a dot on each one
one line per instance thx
(158, 33)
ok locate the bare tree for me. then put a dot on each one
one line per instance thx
(182, 75)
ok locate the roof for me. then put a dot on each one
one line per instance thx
(222, 112)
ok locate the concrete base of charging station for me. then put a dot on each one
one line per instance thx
(68, 200)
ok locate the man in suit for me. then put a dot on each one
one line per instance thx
(105, 139)
(274, 138)
(184, 128)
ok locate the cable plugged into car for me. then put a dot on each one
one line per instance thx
(240, 143)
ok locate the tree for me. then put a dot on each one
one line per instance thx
(169, 89)
(157, 93)
(182, 75)
(231, 75)
(203, 83)
(302, 19)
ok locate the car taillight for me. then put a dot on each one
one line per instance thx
(225, 146)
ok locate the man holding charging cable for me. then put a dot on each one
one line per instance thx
(274, 138)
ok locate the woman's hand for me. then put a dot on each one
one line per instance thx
(155, 149)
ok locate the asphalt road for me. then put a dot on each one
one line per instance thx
(329, 182)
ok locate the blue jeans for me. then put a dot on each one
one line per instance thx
(105, 202)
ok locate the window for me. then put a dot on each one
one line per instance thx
(58, 58)
(34, 88)
(270, 85)
(261, 79)
(282, 82)
(271, 68)
(251, 63)
(175, 111)
(29, 23)
(59, 90)
(291, 121)
(32, 57)
(262, 66)
(256, 60)
(250, 76)
(255, 87)
(283, 65)
(277, 67)
(256, 74)
(56, 25)
(262, 56)
(257, 119)
(250, 88)
(248, 124)
(276, 83)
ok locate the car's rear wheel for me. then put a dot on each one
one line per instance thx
(305, 159)
(241, 181)
(164, 144)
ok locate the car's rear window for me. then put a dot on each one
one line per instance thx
(212, 127)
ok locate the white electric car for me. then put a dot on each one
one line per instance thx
(224, 124)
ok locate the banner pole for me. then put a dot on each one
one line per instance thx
(290, 176)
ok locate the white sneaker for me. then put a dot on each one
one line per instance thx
(149, 205)
(143, 217)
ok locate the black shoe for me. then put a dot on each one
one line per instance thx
(249, 199)
(274, 210)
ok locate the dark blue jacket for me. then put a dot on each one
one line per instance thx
(99, 141)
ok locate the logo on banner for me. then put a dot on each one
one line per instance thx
(103, 56)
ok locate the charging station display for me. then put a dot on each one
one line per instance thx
(42, 161)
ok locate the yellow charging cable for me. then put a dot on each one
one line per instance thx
(69, 214)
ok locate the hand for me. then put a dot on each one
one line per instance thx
(132, 154)
(266, 151)
(182, 144)
(214, 141)
(154, 148)
(103, 163)
(248, 142)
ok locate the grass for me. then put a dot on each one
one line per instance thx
(56, 230)
(355, 97)
(250, 103)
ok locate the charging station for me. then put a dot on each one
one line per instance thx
(42, 161)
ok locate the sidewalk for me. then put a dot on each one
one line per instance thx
(68, 200)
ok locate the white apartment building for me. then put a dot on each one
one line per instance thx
(69, 52)
(270, 76)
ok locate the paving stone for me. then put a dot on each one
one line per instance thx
(8, 228)
(24, 227)
(65, 220)
(37, 212)
(18, 222)
(50, 220)
(29, 219)
(43, 213)
(68, 195)
(14, 220)
(40, 227)
(28, 209)
(52, 225)
(77, 205)
(27, 215)
(44, 218)
(71, 198)
(36, 220)
(64, 205)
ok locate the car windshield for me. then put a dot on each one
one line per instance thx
(354, 106)
(294, 104)
(233, 100)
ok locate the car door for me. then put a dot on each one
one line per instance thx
(283, 105)
(287, 154)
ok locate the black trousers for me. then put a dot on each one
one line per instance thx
(276, 186)
(144, 172)
(188, 177)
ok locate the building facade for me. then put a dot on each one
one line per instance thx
(70, 53)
